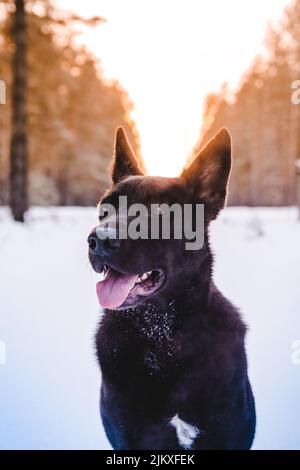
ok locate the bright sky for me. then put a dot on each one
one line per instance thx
(168, 55)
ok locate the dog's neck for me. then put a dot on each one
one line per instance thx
(186, 297)
(160, 323)
(160, 319)
(164, 314)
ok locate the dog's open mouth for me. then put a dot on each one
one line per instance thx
(117, 288)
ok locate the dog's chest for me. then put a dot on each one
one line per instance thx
(143, 341)
(157, 329)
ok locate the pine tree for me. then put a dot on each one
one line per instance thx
(18, 146)
(72, 111)
(264, 123)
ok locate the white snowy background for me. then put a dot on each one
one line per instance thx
(49, 378)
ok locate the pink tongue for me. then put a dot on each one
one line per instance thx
(114, 289)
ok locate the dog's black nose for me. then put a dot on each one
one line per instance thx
(100, 247)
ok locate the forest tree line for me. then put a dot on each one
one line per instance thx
(263, 120)
(72, 112)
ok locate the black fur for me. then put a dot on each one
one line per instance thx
(181, 351)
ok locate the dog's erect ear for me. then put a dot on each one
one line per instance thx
(209, 172)
(125, 163)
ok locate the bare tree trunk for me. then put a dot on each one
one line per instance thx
(18, 146)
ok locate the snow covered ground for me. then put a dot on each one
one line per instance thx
(49, 379)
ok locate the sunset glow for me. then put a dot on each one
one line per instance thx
(168, 55)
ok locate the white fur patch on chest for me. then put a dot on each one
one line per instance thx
(186, 433)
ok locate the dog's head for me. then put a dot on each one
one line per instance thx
(154, 267)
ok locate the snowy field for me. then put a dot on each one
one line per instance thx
(49, 379)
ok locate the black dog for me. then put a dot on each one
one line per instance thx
(170, 346)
